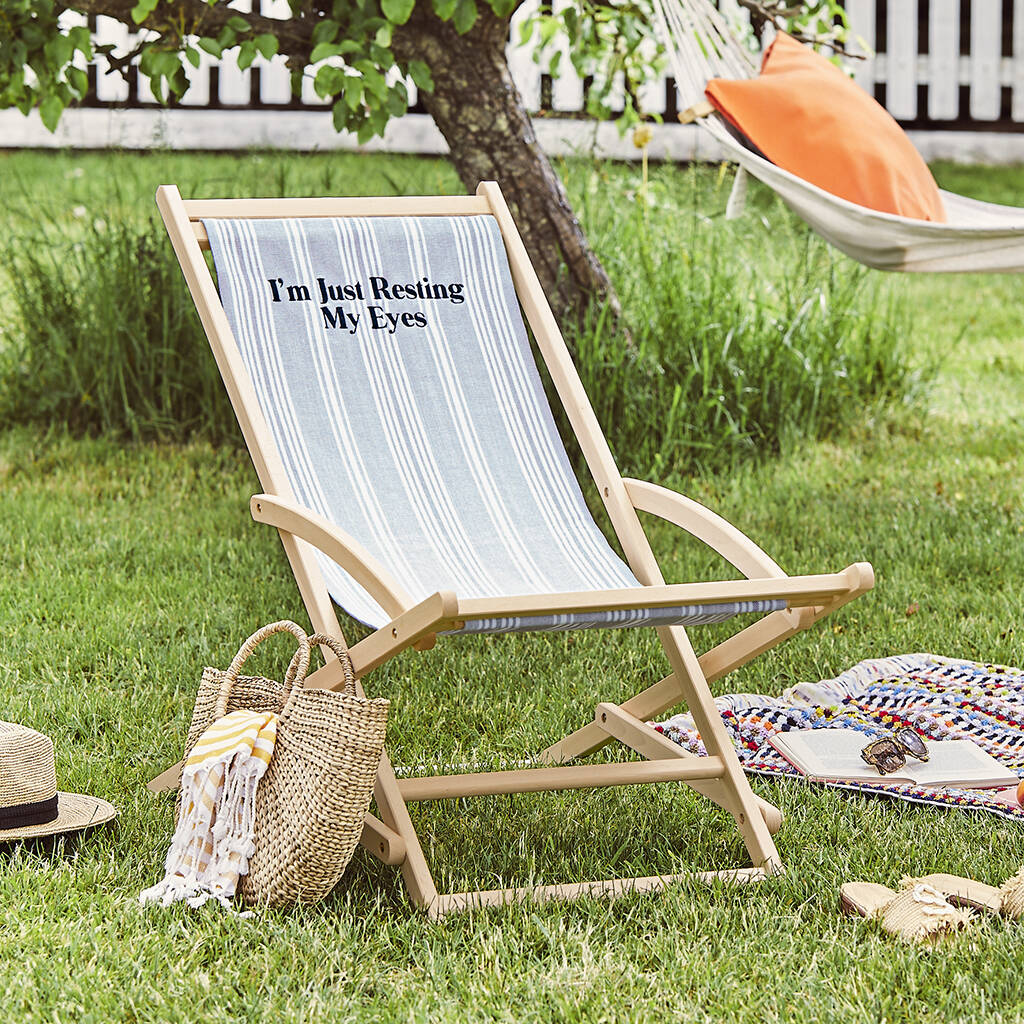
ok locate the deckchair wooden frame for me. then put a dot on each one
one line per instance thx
(392, 837)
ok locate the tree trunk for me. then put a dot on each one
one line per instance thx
(478, 109)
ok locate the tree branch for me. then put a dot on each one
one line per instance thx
(199, 18)
(776, 13)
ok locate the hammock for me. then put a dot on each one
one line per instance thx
(977, 236)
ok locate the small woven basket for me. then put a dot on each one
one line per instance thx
(311, 802)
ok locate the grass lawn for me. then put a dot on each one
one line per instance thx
(124, 570)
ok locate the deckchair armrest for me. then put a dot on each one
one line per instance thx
(693, 517)
(336, 544)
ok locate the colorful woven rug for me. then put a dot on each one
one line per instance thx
(941, 698)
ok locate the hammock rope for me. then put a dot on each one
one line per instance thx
(977, 236)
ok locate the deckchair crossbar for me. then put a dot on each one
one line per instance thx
(388, 206)
(539, 780)
(796, 591)
(458, 902)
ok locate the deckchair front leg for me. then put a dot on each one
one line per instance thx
(683, 659)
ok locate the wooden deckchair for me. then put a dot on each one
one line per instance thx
(471, 243)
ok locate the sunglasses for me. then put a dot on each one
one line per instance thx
(890, 754)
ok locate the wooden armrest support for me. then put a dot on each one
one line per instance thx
(718, 533)
(337, 545)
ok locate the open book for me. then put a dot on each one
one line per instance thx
(833, 755)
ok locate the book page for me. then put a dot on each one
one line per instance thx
(958, 763)
(825, 752)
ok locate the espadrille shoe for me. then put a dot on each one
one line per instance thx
(917, 914)
(1008, 899)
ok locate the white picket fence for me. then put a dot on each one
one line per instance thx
(954, 77)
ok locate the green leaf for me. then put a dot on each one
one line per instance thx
(329, 81)
(444, 9)
(59, 51)
(397, 11)
(237, 24)
(353, 88)
(81, 40)
(324, 50)
(420, 74)
(50, 110)
(374, 82)
(325, 31)
(504, 8)
(78, 80)
(142, 10)
(266, 44)
(465, 16)
(548, 29)
(192, 56)
(339, 115)
(211, 46)
(397, 103)
(383, 37)
(246, 54)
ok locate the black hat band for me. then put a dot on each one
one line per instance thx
(23, 815)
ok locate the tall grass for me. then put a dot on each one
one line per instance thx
(746, 335)
(106, 340)
(739, 339)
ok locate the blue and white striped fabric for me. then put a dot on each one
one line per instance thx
(392, 366)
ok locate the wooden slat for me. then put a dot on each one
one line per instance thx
(397, 206)
(861, 16)
(797, 591)
(275, 80)
(525, 71)
(430, 616)
(543, 780)
(736, 651)
(613, 888)
(235, 84)
(986, 44)
(901, 65)
(1017, 61)
(338, 206)
(944, 60)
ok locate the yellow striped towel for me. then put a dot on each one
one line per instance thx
(213, 840)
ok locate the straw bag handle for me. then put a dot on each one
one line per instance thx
(297, 668)
(341, 651)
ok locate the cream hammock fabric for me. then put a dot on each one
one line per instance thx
(976, 237)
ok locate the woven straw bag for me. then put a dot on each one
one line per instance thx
(311, 801)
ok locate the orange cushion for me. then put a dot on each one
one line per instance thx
(808, 117)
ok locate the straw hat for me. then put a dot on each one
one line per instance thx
(30, 805)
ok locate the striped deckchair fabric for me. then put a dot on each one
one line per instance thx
(393, 368)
